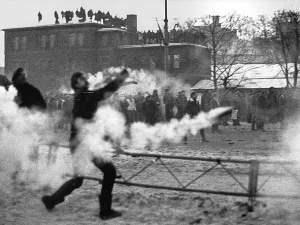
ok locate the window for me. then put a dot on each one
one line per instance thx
(80, 39)
(176, 63)
(43, 41)
(23, 42)
(52, 40)
(72, 39)
(16, 43)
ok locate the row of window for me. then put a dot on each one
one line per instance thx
(48, 41)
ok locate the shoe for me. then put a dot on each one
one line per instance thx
(47, 202)
(110, 215)
(205, 140)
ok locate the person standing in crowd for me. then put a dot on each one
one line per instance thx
(169, 102)
(205, 101)
(282, 109)
(85, 106)
(180, 103)
(4, 82)
(124, 107)
(139, 101)
(131, 109)
(193, 109)
(262, 109)
(150, 110)
(158, 108)
(272, 105)
(215, 103)
(248, 98)
(28, 96)
(225, 102)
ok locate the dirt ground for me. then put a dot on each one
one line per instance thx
(20, 203)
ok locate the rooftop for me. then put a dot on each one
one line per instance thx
(158, 45)
(63, 25)
(252, 76)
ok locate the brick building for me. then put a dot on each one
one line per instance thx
(51, 53)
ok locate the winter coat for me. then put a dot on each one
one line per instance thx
(86, 103)
(192, 107)
(30, 97)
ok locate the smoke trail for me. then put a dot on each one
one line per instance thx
(174, 131)
(110, 123)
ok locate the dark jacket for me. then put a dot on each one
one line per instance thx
(192, 108)
(86, 103)
(30, 97)
(150, 110)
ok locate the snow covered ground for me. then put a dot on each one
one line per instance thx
(20, 201)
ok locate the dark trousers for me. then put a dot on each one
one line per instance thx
(109, 176)
(169, 114)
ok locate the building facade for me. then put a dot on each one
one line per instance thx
(51, 53)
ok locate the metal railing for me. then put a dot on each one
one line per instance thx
(251, 190)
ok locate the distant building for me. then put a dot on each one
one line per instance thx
(50, 53)
(252, 76)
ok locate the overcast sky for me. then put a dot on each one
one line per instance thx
(19, 13)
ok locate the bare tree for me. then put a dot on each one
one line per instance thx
(281, 35)
(229, 38)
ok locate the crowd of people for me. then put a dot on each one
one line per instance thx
(257, 107)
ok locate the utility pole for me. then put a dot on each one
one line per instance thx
(166, 40)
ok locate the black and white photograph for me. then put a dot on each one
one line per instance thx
(149, 112)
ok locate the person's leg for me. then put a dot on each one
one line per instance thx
(105, 198)
(59, 196)
(202, 134)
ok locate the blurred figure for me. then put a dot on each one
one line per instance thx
(124, 107)
(193, 109)
(56, 17)
(180, 103)
(272, 105)
(150, 110)
(262, 110)
(169, 102)
(205, 101)
(282, 109)
(215, 103)
(139, 101)
(131, 109)
(28, 96)
(40, 17)
(158, 108)
(4, 82)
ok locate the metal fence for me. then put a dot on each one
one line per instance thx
(250, 180)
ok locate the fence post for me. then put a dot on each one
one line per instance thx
(253, 181)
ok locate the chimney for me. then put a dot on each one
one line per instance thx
(132, 23)
(216, 20)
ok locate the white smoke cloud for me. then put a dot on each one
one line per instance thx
(146, 81)
(143, 135)
(21, 133)
(98, 137)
